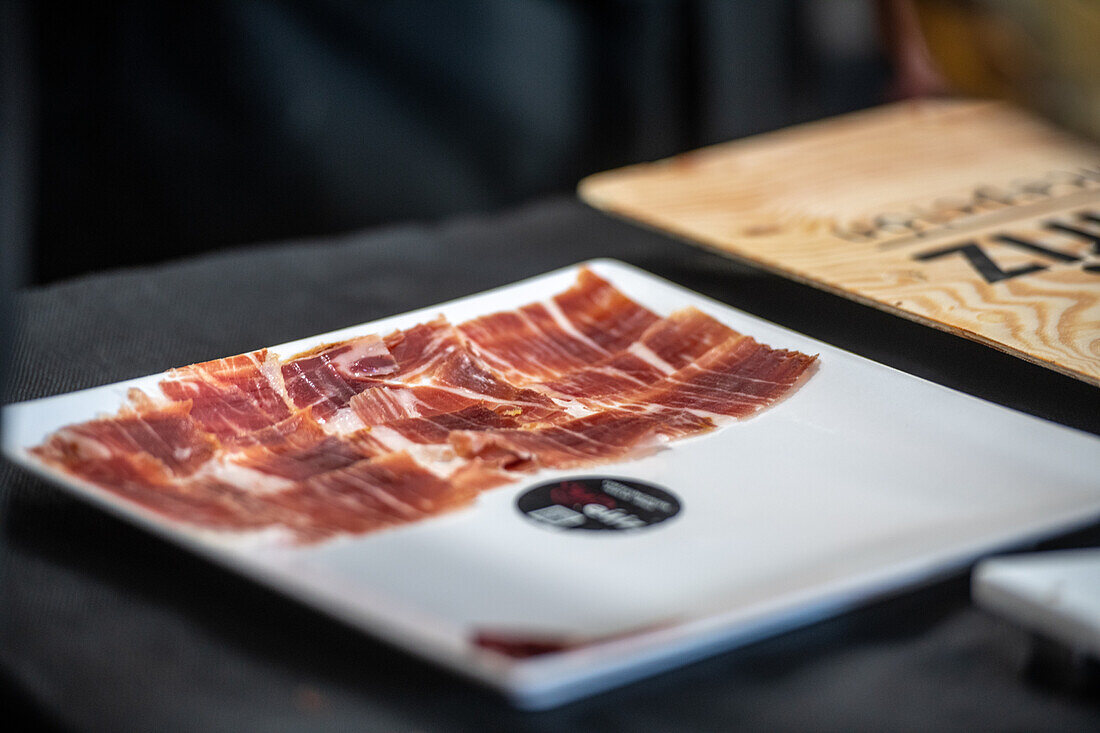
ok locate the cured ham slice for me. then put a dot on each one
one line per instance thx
(149, 446)
(300, 429)
(360, 497)
(419, 350)
(297, 462)
(368, 495)
(667, 345)
(231, 396)
(601, 313)
(520, 644)
(148, 482)
(610, 378)
(476, 475)
(421, 434)
(450, 380)
(598, 438)
(676, 341)
(436, 429)
(326, 378)
(206, 503)
(687, 362)
(387, 403)
(272, 458)
(733, 380)
(589, 322)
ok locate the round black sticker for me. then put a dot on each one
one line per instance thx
(597, 503)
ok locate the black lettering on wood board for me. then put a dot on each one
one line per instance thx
(980, 261)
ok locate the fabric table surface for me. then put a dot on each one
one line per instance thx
(105, 627)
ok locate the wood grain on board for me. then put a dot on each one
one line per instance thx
(972, 217)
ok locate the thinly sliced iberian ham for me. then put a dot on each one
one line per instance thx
(674, 342)
(300, 461)
(159, 443)
(432, 430)
(667, 345)
(687, 361)
(418, 350)
(599, 438)
(372, 433)
(273, 458)
(450, 380)
(326, 378)
(429, 439)
(372, 494)
(389, 402)
(300, 429)
(734, 380)
(231, 396)
(587, 323)
(207, 502)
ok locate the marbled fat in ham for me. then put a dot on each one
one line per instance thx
(432, 430)
(601, 313)
(161, 443)
(300, 429)
(590, 321)
(732, 379)
(674, 342)
(667, 345)
(209, 503)
(451, 379)
(299, 462)
(735, 380)
(386, 403)
(231, 396)
(372, 494)
(326, 378)
(418, 350)
(604, 436)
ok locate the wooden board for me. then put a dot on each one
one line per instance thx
(972, 217)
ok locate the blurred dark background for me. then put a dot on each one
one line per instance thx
(135, 132)
(143, 131)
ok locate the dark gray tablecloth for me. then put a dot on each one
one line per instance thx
(104, 627)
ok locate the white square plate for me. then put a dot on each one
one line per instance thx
(864, 481)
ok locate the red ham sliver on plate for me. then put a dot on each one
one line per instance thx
(373, 433)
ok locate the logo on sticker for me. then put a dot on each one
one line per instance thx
(598, 503)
